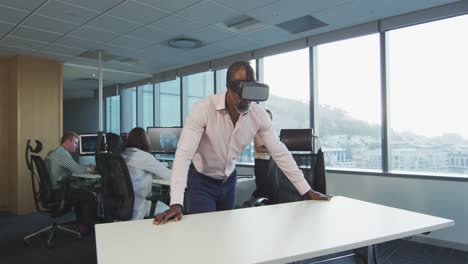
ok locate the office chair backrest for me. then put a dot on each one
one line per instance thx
(100, 163)
(115, 143)
(302, 144)
(44, 193)
(117, 189)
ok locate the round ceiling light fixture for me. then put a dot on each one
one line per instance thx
(184, 43)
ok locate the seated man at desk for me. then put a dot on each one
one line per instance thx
(143, 167)
(60, 165)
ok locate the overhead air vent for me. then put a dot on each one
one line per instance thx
(301, 24)
(108, 57)
(241, 24)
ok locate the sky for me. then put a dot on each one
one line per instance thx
(427, 77)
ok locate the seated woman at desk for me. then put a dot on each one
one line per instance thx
(143, 168)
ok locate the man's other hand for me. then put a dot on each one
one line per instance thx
(174, 212)
(313, 195)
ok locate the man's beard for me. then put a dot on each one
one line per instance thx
(242, 107)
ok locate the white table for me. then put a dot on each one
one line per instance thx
(269, 234)
(89, 176)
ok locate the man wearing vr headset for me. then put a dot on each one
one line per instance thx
(216, 131)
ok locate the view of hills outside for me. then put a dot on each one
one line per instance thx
(351, 143)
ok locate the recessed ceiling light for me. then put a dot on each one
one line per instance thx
(184, 43)
(94, 75)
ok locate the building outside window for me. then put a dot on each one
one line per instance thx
(129, 109)
(348, 80)
(167, 103)
(428, 89)
(113, 114)
(145, 106)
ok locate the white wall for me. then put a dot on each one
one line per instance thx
(447, 199)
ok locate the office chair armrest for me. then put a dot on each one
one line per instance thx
(154, 200)
(260, 201)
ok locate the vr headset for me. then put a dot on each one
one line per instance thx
(250, 90)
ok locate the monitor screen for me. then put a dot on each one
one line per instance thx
(88, 144)
(164, 139)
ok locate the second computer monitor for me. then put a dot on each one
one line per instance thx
(164, 139)
(88, 144)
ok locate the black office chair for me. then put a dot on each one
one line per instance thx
(118, 194)
(45, 200)
(99, 154)
(114, 144)
(305, 150)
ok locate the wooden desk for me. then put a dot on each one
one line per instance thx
(269, 234)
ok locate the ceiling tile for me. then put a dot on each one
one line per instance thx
(210, 34)
(97, 5)
(119, 51)
(159, 50)
(35, 34)
(13, 50)
(138, 12)
(114, 24)
(53, 56)
(5, 28)
(176, 25)
(267, 35)
(152, 34)
(22, 43)
(244, 5)
(67, 12)
(49, 24)
(78, 43)
(69, 51)
(94, 34)
(27, 5)
(284, 10)
(209, 13)
(11, 15)
(169, 5)
(128, 42)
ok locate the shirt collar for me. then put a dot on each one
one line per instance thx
(221, 103)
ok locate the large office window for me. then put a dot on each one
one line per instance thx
(167, 103)
(145, 106)
(113, 114)
(129, 109)
(287, 75)
(428, 92)
(196, 87)
(348, 80)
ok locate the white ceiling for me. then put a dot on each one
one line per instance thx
(139, 29)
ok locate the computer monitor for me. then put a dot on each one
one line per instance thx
(88, 144)
(164, 139)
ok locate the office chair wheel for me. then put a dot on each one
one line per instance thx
(79, 237)
(50, 245)
(26, 242)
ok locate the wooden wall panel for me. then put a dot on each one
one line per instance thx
(4, 178)
(39, 116)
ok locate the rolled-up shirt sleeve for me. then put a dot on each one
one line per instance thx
(282, 156)
(192, 132)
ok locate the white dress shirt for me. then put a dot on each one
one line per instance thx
(143, 167)
(210, 140)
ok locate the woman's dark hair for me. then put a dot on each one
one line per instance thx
(137, 139)
(233, 68)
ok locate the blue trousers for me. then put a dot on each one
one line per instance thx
(205, 194)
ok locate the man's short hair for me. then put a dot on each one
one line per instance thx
(233, 68)
(67, 136)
